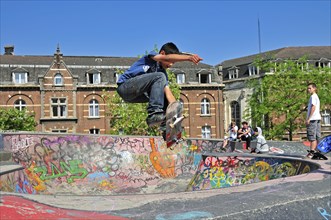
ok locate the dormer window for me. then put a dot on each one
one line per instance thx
(204, 77)
(20, 78)
(233, 73)
(93, 77)
(180, 78)
(58, 79)
(253, 70)
(323, 62)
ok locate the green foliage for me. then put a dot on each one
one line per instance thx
(279, 100)
(16, 120)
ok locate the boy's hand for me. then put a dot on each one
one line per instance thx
(194, 58)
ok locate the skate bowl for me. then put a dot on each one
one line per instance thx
(80, 164)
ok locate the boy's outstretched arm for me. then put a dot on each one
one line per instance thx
(172, 58)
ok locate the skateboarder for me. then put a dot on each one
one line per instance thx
(147, 81)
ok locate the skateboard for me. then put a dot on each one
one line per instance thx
(318, 156)
(174, 118)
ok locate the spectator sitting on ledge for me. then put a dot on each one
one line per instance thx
(261, 146)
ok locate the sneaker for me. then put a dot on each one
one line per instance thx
(154, 119)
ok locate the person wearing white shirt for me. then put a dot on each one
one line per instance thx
(313, 120)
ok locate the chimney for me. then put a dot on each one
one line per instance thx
(9, 50)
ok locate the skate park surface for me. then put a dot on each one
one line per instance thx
(79, 176)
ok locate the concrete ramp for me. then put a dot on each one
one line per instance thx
(72, 164)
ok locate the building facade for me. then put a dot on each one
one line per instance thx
(66, 92)
(237, 72)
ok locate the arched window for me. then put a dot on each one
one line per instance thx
(58, 79)
(205, 107)
(235, 112)
(94, 108)
(20, 104)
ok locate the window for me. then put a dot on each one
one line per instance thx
(326, 117)
(180, 78)
(20, 78)
(58, 79)
(93, 77)
(20, 104)
(235, 112)
(253, 70)
(205, 107)
(181, 103)
(59, 131)
(59, 107)
(205, 78)
(233, 73)
(93, 108)
(94, 131)
(302, 66)
(323, 63)
(205, 131)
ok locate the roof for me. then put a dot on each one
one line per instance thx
(311, 52)
(85, 61)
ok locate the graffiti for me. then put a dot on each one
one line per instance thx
(84, 164)
(73, 170)
(219, 172)
(164, 164)
(326, 214)
(21, 208)
(185, 215)
(21, 143)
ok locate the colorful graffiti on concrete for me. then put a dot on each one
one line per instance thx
(217, 172)
(113, 165)
(17, 208)
(85, 164)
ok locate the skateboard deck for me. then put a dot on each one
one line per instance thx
(319, 156)
(174, 118)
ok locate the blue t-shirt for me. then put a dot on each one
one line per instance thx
(144, 65)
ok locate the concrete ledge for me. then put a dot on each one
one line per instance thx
(8, 167)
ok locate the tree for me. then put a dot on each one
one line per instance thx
(130, 118)
(279, 100)
(16, 120)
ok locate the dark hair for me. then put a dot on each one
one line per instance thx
(312, 84)
(256, 130)
(170, 48)
(244, 123)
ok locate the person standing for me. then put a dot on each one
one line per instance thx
(313, 120)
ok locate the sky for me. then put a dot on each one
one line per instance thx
(215, 30)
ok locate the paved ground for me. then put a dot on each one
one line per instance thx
(306, 196)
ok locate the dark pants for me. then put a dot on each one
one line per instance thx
(148, 87)
(247, 139)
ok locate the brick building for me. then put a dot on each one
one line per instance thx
(237, 72)
(65, 92)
